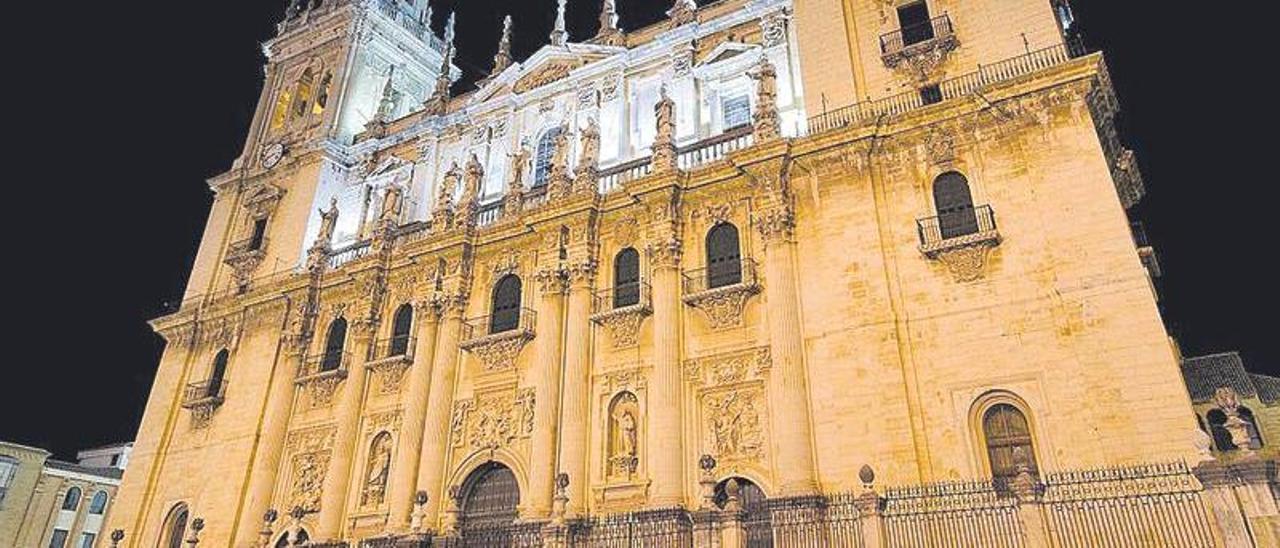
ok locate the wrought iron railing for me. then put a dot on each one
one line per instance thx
(325, 364)
(204, 392)
(967, 84)
(512, 321)
(660, 528)
(212, 297)
(398, 346)
(248, 245)
(727, 274)
(937, 232)
(910, 35)
(621, 296)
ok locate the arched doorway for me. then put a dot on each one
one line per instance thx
(489, 499)
(757, 522)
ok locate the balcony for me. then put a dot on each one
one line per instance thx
(961, 240)
(321, 374)
(498, 339)
(721, 291)
(934, 38)
(202, 399)
(392, 357)
(621, 309)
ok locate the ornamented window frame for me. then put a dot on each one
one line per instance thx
(977, 414)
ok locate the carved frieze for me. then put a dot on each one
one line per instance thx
(733, 421)
(493, 420)
(729, 367)
(309, 451)
(724, 307)
(546, 74)
(498, 352)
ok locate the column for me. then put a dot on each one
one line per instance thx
(546, 405)
(665, 444)
(404, 471)
(577, 386)
(333, 498)
(788, 392)
(266, 460)
(435, 430)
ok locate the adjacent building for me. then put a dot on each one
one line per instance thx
(764, 255)
(1224, 392)
(46, 502)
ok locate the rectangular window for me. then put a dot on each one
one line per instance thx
(736, 111)
(913, 19)
(86, 540)
(8, 469)
(59, 539)
(931, 94)
(259, 234)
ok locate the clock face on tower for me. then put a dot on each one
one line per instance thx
(272, 154)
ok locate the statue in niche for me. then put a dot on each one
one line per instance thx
(375, 485)
(392, 203)
(590, 145)
(472, 180)
(624, 432)
(519, 165)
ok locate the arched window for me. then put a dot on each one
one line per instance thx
(543, 156)
(302, 99)
(724, 256)
(218, 374)
(175, 529)
(1251, 426)
(334, 345)
(281, 111)
(505, 315)
(954, 204)
(1009, 446)
(98, 505)
(626, 278)
(72, 500)
(1218, 429)
(401, 328)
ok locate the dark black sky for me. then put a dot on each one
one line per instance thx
(124, 108)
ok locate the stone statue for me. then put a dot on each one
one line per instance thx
(328, 224)
(519, 165)
(590, 157)
(392, 203)
(447, 187)
(560, 184)
(664, 142)
(766, 121)
(472, 181)
(627, 427)
(375, 485)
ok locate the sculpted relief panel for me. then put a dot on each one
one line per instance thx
(492, 420)
(731, 394)
(310, 451)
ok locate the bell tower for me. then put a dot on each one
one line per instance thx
(336, 64)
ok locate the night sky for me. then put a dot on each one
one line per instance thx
(118, 132)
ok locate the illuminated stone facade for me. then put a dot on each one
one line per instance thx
(631, 251)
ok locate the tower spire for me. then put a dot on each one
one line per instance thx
(439, 99)
(560, 35)
(503, 59)
(609, 33)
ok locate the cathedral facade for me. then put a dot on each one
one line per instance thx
(699, 282)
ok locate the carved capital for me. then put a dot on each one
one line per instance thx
(552, 281)
(776, 224)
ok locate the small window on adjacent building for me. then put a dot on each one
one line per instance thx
(72, 500)
(913, 19)
(259, 234)
(59, 539)
(86, 540)
(1218, 429)
(8, 469)
(1251, 426)
(98, 506)
(736, 110)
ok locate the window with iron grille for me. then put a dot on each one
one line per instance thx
(505, 315)
(954, 203)
(724, 256)
(401, 327)
(626, 278)
(334, 345)
(736, 111)
(543, 156)
(914, 21)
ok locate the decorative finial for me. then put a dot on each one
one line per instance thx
(439, 100)
(560, 35)
(116, 536)
(609, 33)
(683, 13)
(387, 104)
(424, 17)
(867, 475)
(503, 59)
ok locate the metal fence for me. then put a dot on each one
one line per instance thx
(951, 514)
(1151, 505)
(666, 527)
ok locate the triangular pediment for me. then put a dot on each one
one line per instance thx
(548, 65)
(726, 51)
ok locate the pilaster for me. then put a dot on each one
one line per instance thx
(548, 359)
(333, 497)
(435, 430)
(577, 373)
(405, 469)
(664, 436)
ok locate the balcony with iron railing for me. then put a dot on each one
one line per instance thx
(204, 394)
(326, 365)
(620, 309)
(721, 290)
(936, 33)
(875, 110)
(956, 229)
(497, 340)
(397, 347)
